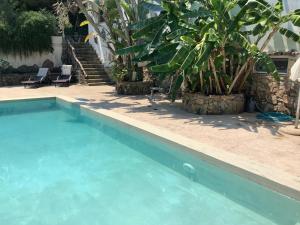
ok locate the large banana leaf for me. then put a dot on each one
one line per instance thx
(295, 18)
(290, 34)
(130, 49)
(176, 86)
(152, 7)
(147, 29)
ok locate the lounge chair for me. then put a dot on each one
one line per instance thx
(38, 79)
(65, 77)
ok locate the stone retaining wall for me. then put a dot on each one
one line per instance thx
(273, 95)
(133, 88)
(16, 79)
(213, 104)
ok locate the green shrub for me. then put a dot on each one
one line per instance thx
(30, 33)
(5, 36)
(37, 4)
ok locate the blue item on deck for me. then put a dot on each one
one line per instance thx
(274, 117)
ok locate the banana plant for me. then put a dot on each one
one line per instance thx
(206, 45)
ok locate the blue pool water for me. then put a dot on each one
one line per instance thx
(60, 165)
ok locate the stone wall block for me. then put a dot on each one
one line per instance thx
(213, 104)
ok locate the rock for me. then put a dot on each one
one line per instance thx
(213, 104)
(27, 69)
(133, 88)
(272, 95)
(48, 64)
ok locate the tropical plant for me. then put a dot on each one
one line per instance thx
(206, 45)
(119, 72)
(118, 17)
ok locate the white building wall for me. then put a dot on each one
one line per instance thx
(100, 46)
(37, 58)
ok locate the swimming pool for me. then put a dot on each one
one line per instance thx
(62, 165)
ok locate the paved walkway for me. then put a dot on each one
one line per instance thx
(241, 135)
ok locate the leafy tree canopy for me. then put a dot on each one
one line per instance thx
(26, 26)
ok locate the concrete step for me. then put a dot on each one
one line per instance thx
(89, 61)
(98, 84)
(95, 72)
(88, 58)
(84, 50)
(97, 80)
(104, 76)
(91, 54)
(92, 65)
(99, 68)
(87, 54)
(90, 76)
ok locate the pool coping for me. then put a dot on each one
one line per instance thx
(277, 180)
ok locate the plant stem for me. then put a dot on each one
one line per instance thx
(249, 63)
(265, 44)
(237, 77)
(201, 80)
(231, 66)
(248, 72)
(218, 88)
(224, 59)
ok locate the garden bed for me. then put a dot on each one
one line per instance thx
(213, 104)
(15, 79)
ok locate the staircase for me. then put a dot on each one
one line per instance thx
(95, 73)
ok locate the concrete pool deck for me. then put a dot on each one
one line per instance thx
(240, 137)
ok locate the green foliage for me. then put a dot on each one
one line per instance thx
(30, 32)
(3, 65)
(23, 32)
(120, 16)
(36, 4)
(206, 43)
(119, 72)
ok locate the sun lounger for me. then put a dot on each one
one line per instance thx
(38, 79)
(65, 77)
